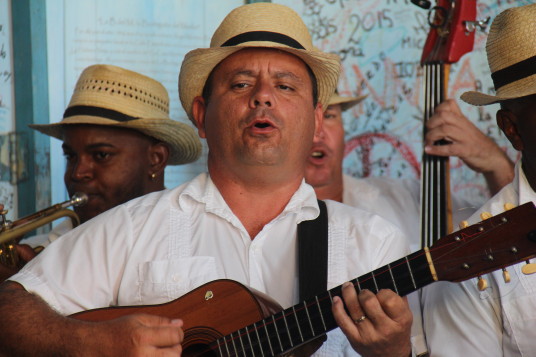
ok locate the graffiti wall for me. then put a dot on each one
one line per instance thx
(380, 45)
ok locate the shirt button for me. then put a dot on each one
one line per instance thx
(175, 277)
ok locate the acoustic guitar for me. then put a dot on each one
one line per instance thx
(224, 318)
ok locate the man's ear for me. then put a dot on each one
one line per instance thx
(508, 122)
(198, 112)
(158, 157)
(319, 119)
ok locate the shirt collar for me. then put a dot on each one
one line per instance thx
(202, 190)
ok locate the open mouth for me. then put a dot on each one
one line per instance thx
(317, 154)
(262, 125)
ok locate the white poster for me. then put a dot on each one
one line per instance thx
(150, 37)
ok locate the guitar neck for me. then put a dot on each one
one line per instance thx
(310, 319)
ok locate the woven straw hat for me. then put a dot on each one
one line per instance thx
(113, 96)
(345, 102)
(265, 25)
(511, 50)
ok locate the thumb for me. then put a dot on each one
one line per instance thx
(454, 106)
(155, 320)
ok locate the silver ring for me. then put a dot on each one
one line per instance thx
(361, 319)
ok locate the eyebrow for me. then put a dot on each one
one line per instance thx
(91, 146)
(278, 75)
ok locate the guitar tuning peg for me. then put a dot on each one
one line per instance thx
(529, 268)
(482, 283)
(463, 224)
(508, 206)
(485, 215)
(506, 275)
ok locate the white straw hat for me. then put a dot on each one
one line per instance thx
(113, 96)
(345, 102)
(511, 50)
(265, 25)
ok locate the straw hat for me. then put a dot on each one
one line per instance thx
(511, 50)
(113, 96)
(257, 25)
(345, 102)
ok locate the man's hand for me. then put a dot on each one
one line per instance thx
(136, 335)
(377, 325)
(34, 329)
(26, 253)
(467, 142)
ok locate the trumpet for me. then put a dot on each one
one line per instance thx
(12, 232)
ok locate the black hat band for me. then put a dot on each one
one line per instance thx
(97, 112)
(514, 72)
(263, 36)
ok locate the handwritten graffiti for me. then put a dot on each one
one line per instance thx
(380, 45)
(322, 27)
(370, 21)
(366, 143)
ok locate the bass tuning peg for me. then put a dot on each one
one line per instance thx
(482, 25)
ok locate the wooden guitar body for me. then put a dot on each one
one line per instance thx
(212, 311)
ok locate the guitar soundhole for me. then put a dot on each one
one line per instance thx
(199, 350)
(197, 341)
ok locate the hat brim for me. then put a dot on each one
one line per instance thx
(347, 102)
(199, 63)
(477, 98)
(521, 88)
(182, 139)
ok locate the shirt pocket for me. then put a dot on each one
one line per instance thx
(163, 281)
(521, 316)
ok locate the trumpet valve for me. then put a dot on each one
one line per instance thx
(5, 224)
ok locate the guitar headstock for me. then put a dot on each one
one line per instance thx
(494, 243)
(449, 38)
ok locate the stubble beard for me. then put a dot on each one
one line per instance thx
(261, 153)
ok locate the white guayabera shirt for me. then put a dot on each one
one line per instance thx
(158, 247)
(460, 320)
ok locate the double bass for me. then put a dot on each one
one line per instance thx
(452, 34)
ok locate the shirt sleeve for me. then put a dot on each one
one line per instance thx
(80, 270)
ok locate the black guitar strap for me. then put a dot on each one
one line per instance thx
(313, 255)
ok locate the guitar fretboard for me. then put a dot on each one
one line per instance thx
(309, 319)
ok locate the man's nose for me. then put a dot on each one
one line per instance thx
(81, 170)
(262, 96)
(320, 136)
